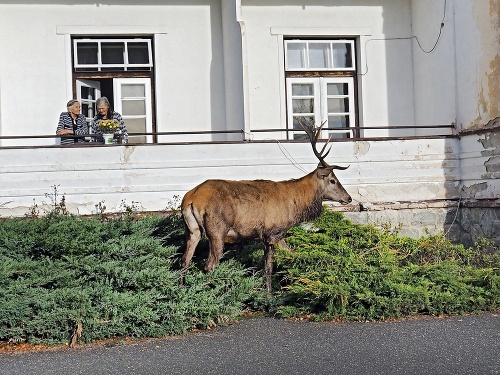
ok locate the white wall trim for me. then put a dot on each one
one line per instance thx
(68, 67)
(111, 29)
(311, 31)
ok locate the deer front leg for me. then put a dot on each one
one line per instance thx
(269, 255)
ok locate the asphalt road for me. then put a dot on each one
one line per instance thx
(454, 346)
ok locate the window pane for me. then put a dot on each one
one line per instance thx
(338, 135)
(337, 89)
(303, 105)
(88, 93)
(135, 125)
(133, 108)
(133, 91)
(138, 53)
(342, 55)
(338, 105)
(112, 53)
(319, 55)
(338, 121)
(302, 89)
(85, 109)
(296, 53)
(306, 121)
(87, 53)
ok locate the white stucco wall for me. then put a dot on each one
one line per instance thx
(434, 68)
(151, 175)
(386, 88)
(36, 83)
(477, 28)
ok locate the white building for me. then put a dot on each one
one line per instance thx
(409, 89)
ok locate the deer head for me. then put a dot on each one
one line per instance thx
(332, 188)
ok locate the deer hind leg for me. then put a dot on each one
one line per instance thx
(216, 248)
(193, 236)
(269, 255)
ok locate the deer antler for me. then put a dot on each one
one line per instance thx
(313, 133)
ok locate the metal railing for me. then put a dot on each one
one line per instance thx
(448, 130)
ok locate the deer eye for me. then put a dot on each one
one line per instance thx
(332, 181)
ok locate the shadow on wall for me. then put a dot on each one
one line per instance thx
(478, 216)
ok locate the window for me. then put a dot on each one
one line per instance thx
(319, 55)
(101, 55)
(120, 69)
(320, 85)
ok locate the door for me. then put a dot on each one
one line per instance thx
(318, 100)
(303, 104)
(87, 92)
(132, 99)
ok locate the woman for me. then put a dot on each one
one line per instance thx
(104, 112)
(72, 123)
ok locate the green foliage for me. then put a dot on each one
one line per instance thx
(119, 277)
(356, 272)
(113, 277)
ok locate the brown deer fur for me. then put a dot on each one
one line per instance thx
(228, 211)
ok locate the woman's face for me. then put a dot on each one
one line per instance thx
(103, 110)
(75, 108)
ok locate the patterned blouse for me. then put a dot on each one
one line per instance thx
(79, 126)
(95, 125)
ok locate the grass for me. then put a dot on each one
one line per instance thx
(65, 277)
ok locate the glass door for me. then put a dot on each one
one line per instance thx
(337, 106)
(303, 105)
(132, 99)
(317, 100)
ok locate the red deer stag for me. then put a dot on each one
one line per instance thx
(229, 211)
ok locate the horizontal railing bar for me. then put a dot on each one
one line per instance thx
(237, 131)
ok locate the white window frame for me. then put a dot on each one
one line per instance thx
(89, 101)
(117, 90)
(99, 66)
(320, 112)
(306, 54)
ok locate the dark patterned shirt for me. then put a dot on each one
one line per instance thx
(98, 117)
(79, 126)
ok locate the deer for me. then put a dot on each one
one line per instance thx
(230, 211)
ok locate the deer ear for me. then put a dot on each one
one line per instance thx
(323, 172)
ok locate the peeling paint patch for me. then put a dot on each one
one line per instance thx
(473, 190)
(491, 143)
(361, 148)
(493, 164)
(127, 153)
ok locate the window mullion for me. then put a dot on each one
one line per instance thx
(99, 56)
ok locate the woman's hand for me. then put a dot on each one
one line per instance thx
(65, 132)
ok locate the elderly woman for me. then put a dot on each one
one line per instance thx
(104, 112)
(72, 123)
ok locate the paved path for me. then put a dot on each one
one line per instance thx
(454, 346)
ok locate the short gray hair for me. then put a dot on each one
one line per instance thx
(102, 100)
(71, 102)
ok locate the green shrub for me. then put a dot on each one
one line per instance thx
(118, 277)
(113, 277)
(357, 272)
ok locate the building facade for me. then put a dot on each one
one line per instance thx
(408, 91)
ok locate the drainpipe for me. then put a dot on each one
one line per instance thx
(244, 60)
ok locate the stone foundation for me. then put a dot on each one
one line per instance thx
(467, 224)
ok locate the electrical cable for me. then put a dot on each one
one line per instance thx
(408, 38)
